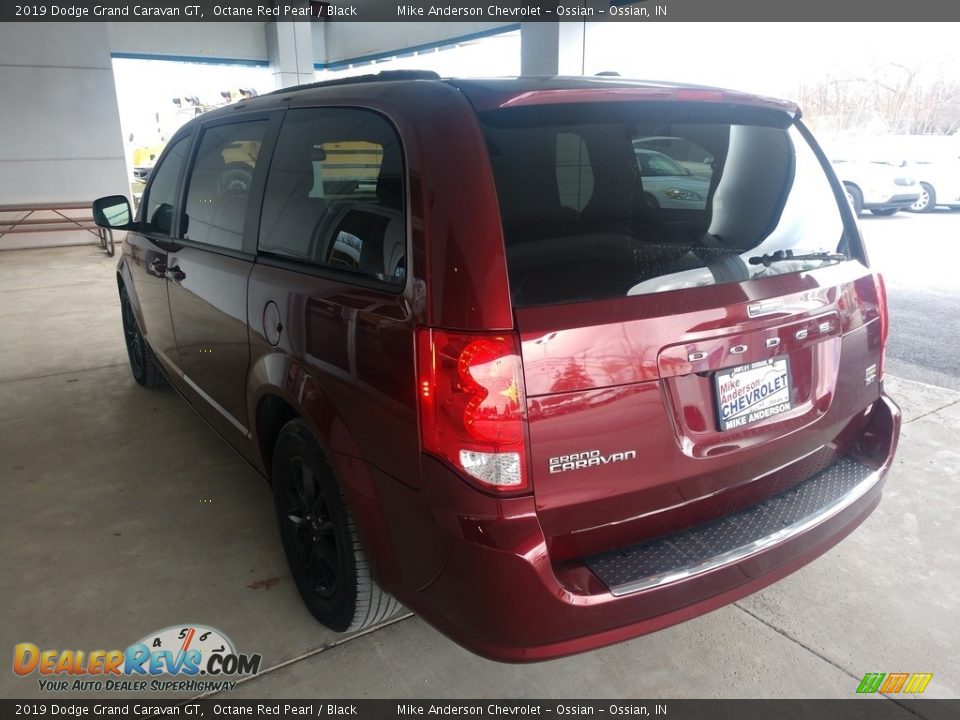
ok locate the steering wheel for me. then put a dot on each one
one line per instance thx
(236, 179)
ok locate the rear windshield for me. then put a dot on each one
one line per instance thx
(613, 199)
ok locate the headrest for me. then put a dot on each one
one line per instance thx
(390, 179)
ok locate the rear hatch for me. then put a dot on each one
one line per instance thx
(692, 343)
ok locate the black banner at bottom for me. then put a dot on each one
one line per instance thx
(874, 708)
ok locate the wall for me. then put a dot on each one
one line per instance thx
(58, 110)
(59, 120)
(225, 40)
(247, 41)
(346, 40)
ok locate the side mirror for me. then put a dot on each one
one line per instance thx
(112, 212)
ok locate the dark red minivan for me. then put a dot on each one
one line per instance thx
(554, 362)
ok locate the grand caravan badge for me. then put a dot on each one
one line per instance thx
(588, 458)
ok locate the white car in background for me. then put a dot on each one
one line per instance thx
(673, 185)
(881, 187)
(689, 154)
(939, 185)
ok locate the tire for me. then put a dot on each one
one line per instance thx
(855, 197)
(927, 201)
(319, 536)
(885, 212)
(143, 363)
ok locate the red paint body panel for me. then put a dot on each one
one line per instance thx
(505, 575)
(519, 92)
(499, 555)
(615, 377)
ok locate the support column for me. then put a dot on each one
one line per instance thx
(290, 51)
(552, 48)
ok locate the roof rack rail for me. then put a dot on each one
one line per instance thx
(382, 76)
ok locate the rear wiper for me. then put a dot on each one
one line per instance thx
(786, 255)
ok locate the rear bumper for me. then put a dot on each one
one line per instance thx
(497, 592)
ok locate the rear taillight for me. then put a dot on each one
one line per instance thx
(470, 392)
(884, 320)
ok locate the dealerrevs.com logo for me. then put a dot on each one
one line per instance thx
(189, 658)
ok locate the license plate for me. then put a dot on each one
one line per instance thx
(750, 393)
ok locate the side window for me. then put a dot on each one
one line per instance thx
(219, 187)
(574, 172)
(158, 219)
(334, 194)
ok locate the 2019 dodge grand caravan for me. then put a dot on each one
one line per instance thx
(489, 376)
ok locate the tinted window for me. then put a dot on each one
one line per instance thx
(654, 164)
(334, 194)
(684, 151)
(574, 174)
(219, 187)
(617, 217)
(158, 219)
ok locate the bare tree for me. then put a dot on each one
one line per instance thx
(889, 97)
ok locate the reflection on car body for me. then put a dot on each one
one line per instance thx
(672, 185)
(689, 154)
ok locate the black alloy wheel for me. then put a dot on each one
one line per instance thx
(143, 364)
(320, 537)
(307, 510)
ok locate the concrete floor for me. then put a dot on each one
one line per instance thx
(123, 513)
(922, 291)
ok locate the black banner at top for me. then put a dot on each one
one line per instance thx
(474, 10)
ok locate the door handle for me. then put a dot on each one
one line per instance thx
(174, 273)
